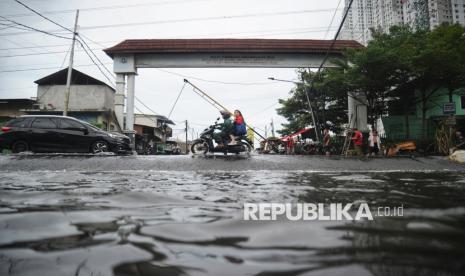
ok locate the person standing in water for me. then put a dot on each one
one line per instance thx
(327, 142)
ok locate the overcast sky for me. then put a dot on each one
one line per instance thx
(106, 22)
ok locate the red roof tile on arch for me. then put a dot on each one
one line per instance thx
(230, 45)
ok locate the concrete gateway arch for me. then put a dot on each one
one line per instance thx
(132, 54)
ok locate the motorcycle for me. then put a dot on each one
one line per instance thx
(204, 144)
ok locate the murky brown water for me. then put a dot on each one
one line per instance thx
(190, 223)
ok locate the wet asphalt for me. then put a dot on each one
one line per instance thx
(183, 215)
(27, 162)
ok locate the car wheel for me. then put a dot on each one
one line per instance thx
(99, 147)
(20, 146)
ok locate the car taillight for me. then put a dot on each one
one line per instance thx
(6, 129)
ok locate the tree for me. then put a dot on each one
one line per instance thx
(399, 69)
(329, 107)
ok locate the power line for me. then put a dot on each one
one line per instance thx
(35, 54)
(42, 68)
(263, 110)
(46, 18)
(145, 115)
(34, 29)
(142, 103)
(177, 98)
(12, 26)
(332, 19)
(104, 8)
(334, 39)
(61, 66)
(100, 69)
(95, 42)
(206, 18)
(185, 20)
(214, 81)
(50, 46)
(96, 57)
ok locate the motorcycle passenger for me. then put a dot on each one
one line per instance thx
(239, 126)
(227, 128)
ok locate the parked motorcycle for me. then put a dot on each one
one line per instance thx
(204, 144)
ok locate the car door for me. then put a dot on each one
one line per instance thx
(77, 138)
(44, 135)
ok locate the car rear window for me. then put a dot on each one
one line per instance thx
(44, 123)
(18, 122)
(70, 124)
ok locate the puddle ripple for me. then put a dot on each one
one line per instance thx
(190, 223)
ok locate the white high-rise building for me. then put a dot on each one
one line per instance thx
(367, 14)
(458, 11)
(416, 14)
(358, 22)
(383, 14)
(387, 13)
(439, 12)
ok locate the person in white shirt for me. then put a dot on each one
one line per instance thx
(374, 142)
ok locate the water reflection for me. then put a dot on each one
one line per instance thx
(190, 223)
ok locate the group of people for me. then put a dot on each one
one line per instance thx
(233, 125)
(374, 142)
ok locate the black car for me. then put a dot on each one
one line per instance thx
(43, 133)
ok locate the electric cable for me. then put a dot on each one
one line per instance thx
(176, 101)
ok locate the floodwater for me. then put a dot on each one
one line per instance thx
(191, 223)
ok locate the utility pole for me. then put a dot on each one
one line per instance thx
(312, 113)
(266, 131)
(187, 131)
(70, 67)
(272, 128)
(306, 91)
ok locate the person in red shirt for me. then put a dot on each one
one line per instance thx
(357, 138)
(290, 146)
(239, 126)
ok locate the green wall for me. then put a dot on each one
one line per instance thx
(395, 128)
(435, 106)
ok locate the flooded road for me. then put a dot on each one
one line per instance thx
(181, 216)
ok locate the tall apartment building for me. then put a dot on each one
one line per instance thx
(458, 11)
(386, 13)
(383, 14)
(416, 14)
(359, 21)
(367, 14)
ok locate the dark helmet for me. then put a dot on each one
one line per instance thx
(225, 114)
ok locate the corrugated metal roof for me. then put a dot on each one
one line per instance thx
(229, 45)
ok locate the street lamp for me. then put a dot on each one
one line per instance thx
(317, 135)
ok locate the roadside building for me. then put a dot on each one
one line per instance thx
(90, 99)
(458, 11)
(10, 108)
(405, 122)
(151, 130)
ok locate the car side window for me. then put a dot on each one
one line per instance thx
(44, 123)
(19, 122)
(70, 124)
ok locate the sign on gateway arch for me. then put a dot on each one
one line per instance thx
(222, 60)
(224, 53)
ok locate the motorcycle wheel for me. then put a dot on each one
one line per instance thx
(248, 148)
(199, 147)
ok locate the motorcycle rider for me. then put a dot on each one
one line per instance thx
(227, 128)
